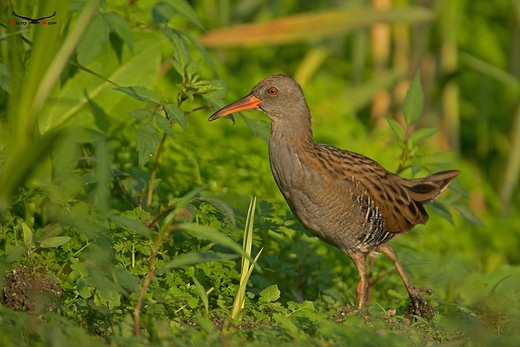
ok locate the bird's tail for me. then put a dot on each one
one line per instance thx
(424, 190)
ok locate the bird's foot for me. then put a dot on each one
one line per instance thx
(419, 307)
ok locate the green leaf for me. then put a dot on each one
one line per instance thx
(184, 8)
(164, 124)
(162, 12)
(213, 92)
(93, 40)
(15, 253)
(27, 235)
(5, 78)
(147, 139)
(138, 67)
(396, 128)
(467, 214)
(181, 55)
(193, 258)
(440, 209)
(140, 93)
(213, 236)
(120, 26)
(141, 113)
(176, 114)
(270, 294)
(53, 242)
(133, 225)
(422, 134)
(413, 101)
(258, 127)
(222, 206)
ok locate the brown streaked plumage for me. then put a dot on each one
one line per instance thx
(342, 197)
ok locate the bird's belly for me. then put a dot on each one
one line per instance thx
(326, 209)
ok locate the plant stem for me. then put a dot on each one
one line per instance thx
(153, 174)
(150, 274)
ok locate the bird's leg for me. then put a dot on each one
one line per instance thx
(360, 259)
(418, 306)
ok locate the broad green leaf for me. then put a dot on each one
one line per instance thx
(396, 128)
(140, 67)
(422, 134)
(270, 294)
(141, 113)
(147, 139)
(176, 114)
(413, 101)
(185, 9)
(213, 236)
(56, 241)
(140, 93)
(258, 127)
(93, 40)
(164, 124)
(193, 258)
(133, 225)
(27, 235)
(120, 26)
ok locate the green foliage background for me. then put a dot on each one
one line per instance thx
(114, 185)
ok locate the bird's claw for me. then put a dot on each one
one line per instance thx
(419, 307)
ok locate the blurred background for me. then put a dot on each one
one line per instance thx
(106, 153)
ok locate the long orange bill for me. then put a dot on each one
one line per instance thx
(246, 103)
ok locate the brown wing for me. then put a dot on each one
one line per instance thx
(399, 200)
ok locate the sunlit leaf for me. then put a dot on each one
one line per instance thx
(413, 101)
(396, 128)
(270, 294)
(422, 134)
(27, 235)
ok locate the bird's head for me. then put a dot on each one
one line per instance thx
(278, 96)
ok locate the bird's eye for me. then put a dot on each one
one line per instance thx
(272, 91)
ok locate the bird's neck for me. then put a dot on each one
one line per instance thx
(294, 132)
